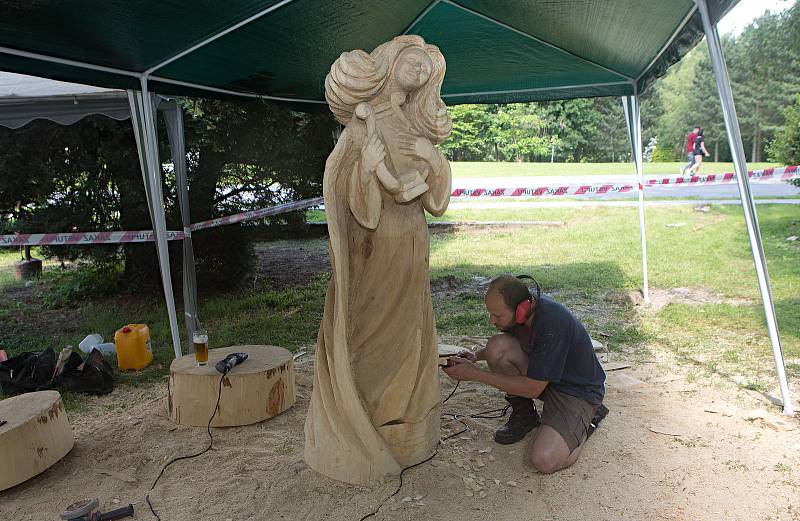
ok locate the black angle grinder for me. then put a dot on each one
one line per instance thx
(230, 361)
(89, 510)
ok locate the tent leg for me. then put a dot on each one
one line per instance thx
(750, 217)
(174, 118)
(143, 119)
(630, 104)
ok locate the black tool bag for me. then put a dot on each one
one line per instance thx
(92, 375)
(27, 372)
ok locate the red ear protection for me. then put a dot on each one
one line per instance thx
(522, 311)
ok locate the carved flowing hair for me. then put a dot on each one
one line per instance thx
(357, 77)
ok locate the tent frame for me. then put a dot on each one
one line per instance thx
(750, 217)
(633, 119)
(144, 123)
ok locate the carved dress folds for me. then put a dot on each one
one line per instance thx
(375, 404)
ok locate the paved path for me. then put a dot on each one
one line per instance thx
(456, 203)
(771, 189)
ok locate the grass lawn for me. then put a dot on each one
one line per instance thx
(592, 263)
(467, 169)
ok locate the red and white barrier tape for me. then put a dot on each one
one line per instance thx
(600, 189)
(75, 238)
(257, 214)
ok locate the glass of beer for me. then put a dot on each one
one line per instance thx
(200, 341)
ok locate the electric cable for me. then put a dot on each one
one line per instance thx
(498, 413)
(173, 460)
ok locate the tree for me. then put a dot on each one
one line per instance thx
(785, 148)
(518, 131)
(469, 140)
(86, 177)
(764, 68)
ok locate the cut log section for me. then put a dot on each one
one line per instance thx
(259, 388)
(35, 436)
(447, 350)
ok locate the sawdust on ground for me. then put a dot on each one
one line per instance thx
(669, 450)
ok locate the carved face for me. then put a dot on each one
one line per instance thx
(413, 69)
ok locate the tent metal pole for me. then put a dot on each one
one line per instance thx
(142, 114)
(750, 217)
(174, 118)
(633, 119)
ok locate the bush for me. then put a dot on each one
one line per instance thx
(785, 148)
(224, 257)
(67, 286)
(663, 155)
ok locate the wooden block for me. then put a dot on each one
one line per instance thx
(35, 436)
(260, 388)
(447, 350)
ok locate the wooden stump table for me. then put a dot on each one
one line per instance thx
(259, 388)
(35, 436)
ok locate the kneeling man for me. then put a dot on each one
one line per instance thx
(542, 352)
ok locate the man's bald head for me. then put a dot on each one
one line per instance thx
(511, 289)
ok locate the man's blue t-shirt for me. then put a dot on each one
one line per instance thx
(560, 352)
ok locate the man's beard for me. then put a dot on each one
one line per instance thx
(510, 329)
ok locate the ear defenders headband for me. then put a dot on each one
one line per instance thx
(524, 307)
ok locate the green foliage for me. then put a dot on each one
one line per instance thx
(64, 287)
(86, 177)
(785, 148)
(763, 64)
(570, 130)
(663, 155)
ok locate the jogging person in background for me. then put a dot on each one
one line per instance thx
(699, 152)
(690, 138)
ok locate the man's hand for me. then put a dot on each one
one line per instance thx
(461, 369)
(469, 355)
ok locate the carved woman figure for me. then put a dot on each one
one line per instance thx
(375, 404)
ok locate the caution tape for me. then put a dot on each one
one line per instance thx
(601, 189)
(597, 189)
(78, 238)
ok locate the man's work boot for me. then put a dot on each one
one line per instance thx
(524, 419)
(601, 413)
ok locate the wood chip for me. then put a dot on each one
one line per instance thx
(615, 366)
(666, 431)
(127, 475)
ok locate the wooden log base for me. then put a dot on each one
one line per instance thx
(35, 436)
(259, 388)
(28, 269)
(447, 350)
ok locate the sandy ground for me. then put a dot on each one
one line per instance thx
(672, 448)
(668, 450)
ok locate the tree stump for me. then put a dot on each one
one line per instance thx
(28, 269)
(35, 436)
(259, 388)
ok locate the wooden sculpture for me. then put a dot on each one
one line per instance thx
(375, 405)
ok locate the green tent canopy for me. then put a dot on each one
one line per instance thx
(497, 51)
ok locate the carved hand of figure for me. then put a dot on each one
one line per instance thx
(372, 153)
(418, 147)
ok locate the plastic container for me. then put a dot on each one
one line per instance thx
(89, 342)
(108, 348)
(133, 347)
